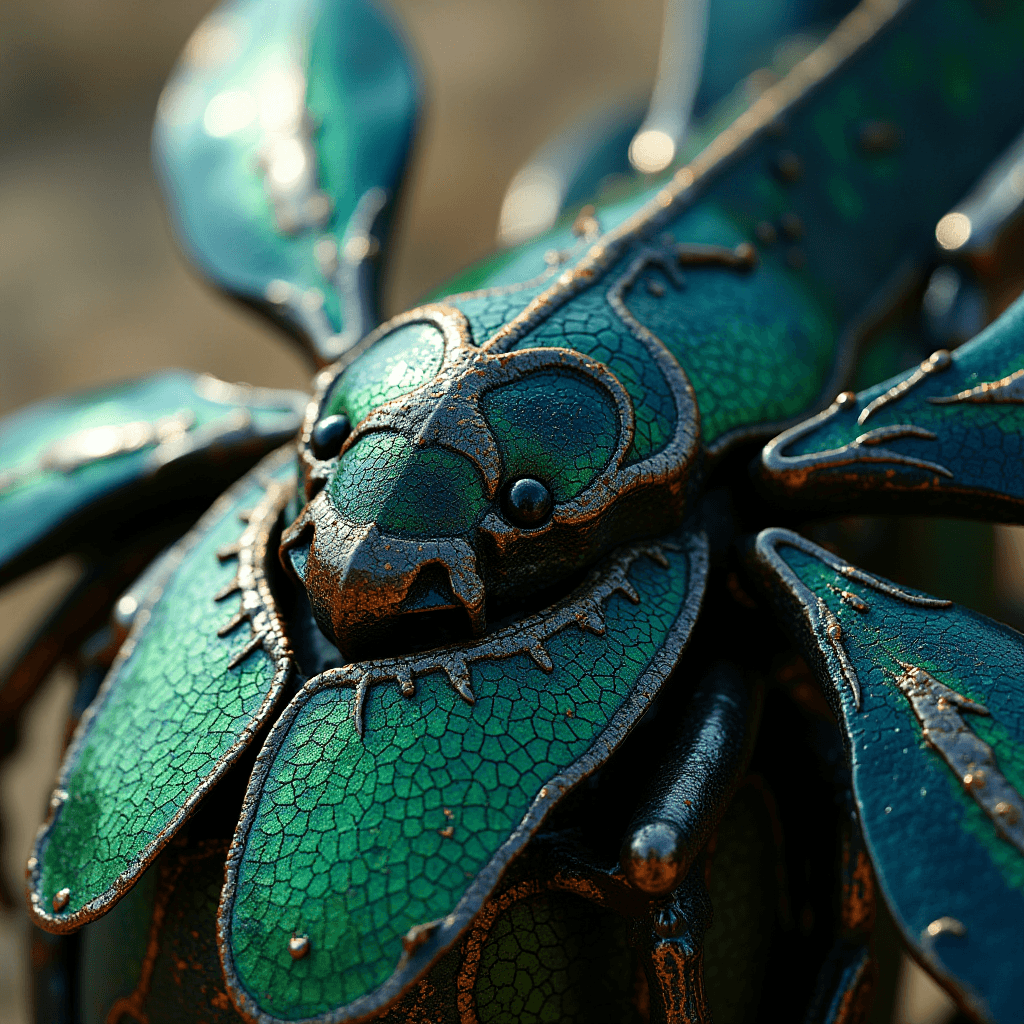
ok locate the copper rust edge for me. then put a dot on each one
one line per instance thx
(852, 33)
(528, 636)
(920, 945)
(467, 373)
(134, 1005)
(857, 907)
(795, 470)
(826, 628)
(940, 710)
(462, 356)
(938, 362)
(410, 969)
(865, 21)
(856, 1000)
(1006, 391)
(256, 586)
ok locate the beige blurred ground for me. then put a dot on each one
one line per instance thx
(92, 290)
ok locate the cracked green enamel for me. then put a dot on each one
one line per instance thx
(555, 427)
(346, 844)
(162, 724)
(980, 443)
(933, 847)
(388, 480)
(394, 366)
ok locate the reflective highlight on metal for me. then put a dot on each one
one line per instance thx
(474, 667)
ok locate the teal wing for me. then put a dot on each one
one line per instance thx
(757, 264)
(946, 436)
(75, 471)
(281, 141)
(201, 671)
(929, 698)
(391, 795)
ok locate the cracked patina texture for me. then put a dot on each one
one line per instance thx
(925, 832)
(350, 842)
(918, 436)
(555, 957)
(171, 713)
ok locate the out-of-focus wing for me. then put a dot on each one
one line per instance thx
(81, 471)
(281, 141)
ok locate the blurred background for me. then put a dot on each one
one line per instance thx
(92, 289)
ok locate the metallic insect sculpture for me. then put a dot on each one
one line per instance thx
(468, 705)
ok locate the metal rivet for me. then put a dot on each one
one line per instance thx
(938, 360)
(417, 935)
(653, 857)
(61, 899)
(846, 399)
(879, 137)
(788, 167)
(528, 503)
(298, 946)
(746, 256)
(791, 226)
(1007, 811)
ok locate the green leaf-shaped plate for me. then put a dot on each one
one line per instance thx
(369, 854)
(948, 435)
(280, 141)
(930, 701)
(201, 671)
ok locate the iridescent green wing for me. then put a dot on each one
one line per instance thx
(201, 671)
(280, 142)
(946, 436)
(837, 177)
(392, 794)
(93, 467)
(929, 698)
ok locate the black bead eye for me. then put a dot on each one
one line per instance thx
(328, 436)
(528, 502)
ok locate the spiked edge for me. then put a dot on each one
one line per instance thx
(258, 606)
(435, 938)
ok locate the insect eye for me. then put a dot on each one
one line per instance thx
(528, 502)
(328, 436)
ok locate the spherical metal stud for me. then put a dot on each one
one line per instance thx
(528, 502)
(298, 946)
(328, 436)
(652, 859)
